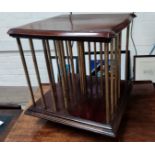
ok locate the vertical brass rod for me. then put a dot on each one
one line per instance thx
(119, 63)
(72, 64)
(101, 69)
(49, 74)
(127, 55)
(106, 53)
(116, 71)
(25, 70)
(112, 76)
(62, 71)
(68, 58)
(82, 67)
(51, 65)
(71, 58)
(95, 57)
(79, 66)
(37, 72)
(64, 64)
(89, 59)
(56, 55)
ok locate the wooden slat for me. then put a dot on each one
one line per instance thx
(89, 59)
(56, 55)
(112, 77)
(37, 72)
(119, 62)
(127, 54)
(82, 66)
(68, 58)
(116, 71)
(101, 69)
(25, 69)
(51, 64)
(53, 103)
(106, 53)
(95, 58)
(62, 70)
(70, 53)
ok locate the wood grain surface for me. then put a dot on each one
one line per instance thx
(138, 124)
(77, 25)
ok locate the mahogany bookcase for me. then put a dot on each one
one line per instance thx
(93, 102)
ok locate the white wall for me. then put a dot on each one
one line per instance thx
(144, 32)
(10, 20)
(11, 71)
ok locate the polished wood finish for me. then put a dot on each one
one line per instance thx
(86, 112)
(88, 26)
(84, 101)
(37, 71)
(45, 48)
(138, 123)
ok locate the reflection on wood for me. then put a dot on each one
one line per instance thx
(76, 92)
(85, 107)
(95, 100)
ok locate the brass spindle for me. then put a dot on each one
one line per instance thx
(112, 76)
(61, 58)
(82, 66)
(116, 71)
(79, 66)
(63, 64)
(25, 70)
(68, 58)
(89, 59)
(49, 74)
(37, 71)
(95, 57)
(49, 59)
(72, 63)
(101, 69)
(127, 55)
(56, 55)
(106, 53)
(119, 62)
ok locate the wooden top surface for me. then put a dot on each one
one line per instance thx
(76, 25)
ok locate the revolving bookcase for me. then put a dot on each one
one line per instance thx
(83, 90)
